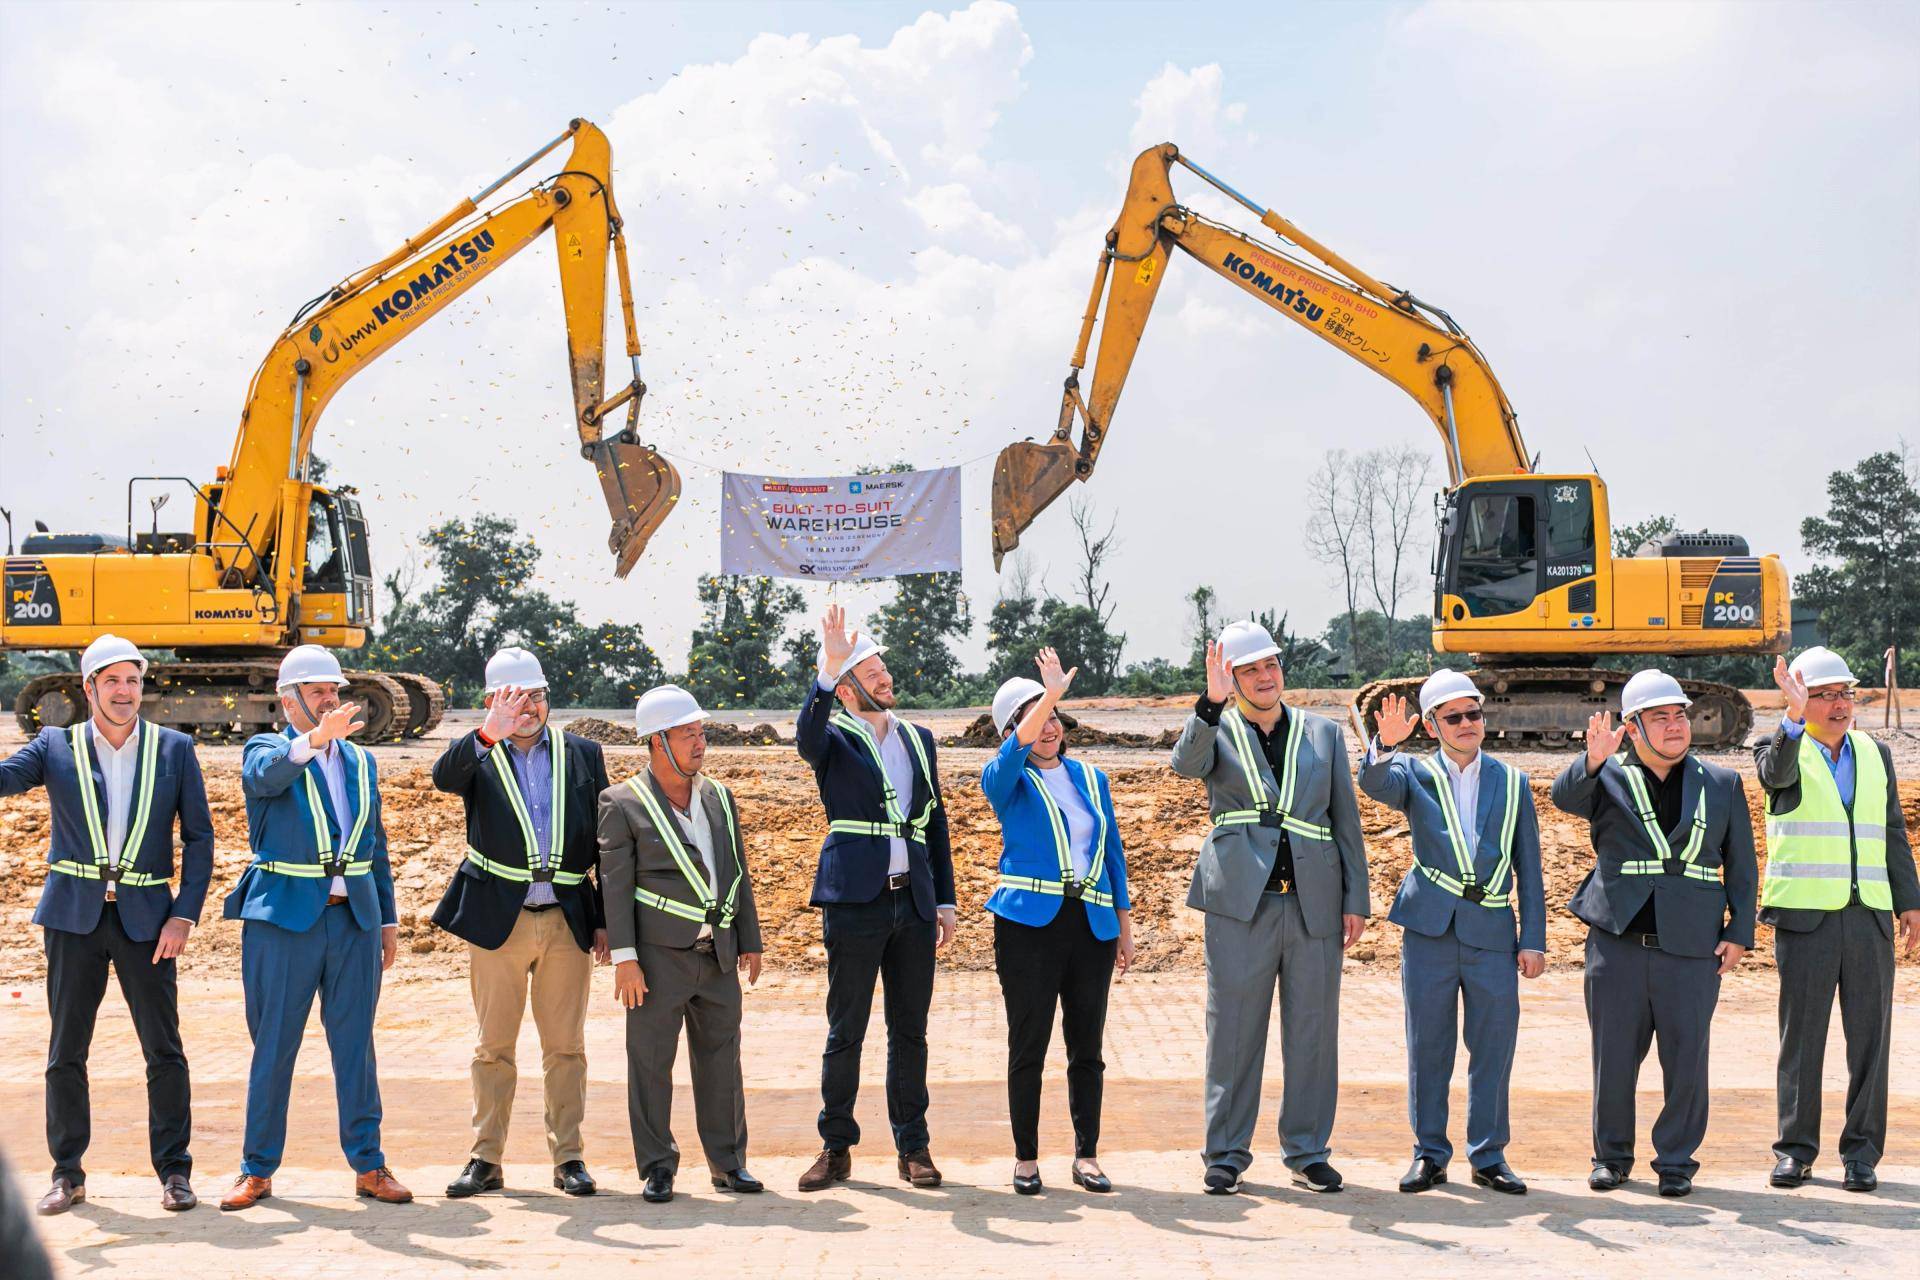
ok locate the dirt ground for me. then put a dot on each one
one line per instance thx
(1162, 820)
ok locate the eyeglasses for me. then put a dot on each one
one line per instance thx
(1458, 718)
(1831, 695)
(537, 697)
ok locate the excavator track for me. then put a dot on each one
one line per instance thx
(1546, 708)
(231, 701)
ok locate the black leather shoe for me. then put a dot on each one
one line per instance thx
(1500, 1178)
(739, 1180)
(1860, 1177)
(1675, 1185)
(1606, 1177)
(478, 1176)
(1096, 1182)
(176, 1193)
(1423, 1175)
(62, 1196)
(1319, 1176)
(659, 1188)
(573, 1178)
(1028, 1184)
(1222, 1180)
(1789, 1172)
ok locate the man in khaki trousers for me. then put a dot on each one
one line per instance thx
(526, 903)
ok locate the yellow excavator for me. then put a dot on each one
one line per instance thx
(1524, 578)
(273, 559)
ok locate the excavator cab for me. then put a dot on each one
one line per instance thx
(1512, 547)
(337, 585)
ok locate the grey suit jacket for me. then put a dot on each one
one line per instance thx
(1693, 916)
(1330, 876)
(632, 853)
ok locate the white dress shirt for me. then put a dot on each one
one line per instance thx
(896, 757)
(333, 768)
(1079, 818)
(699, 833)
(1465, 784)
(118, 765)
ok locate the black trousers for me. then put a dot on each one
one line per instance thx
(886, 940)
(1056, 964)
(1849, 952)
(77, 966)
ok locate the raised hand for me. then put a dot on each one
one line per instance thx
(1052, 678)
(1219, 673)
(1395, 721)
(504, 712)
(1792, 688)
(341, 722)
(1603, 739)
(835, 640)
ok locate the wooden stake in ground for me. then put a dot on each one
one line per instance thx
(1891, 717)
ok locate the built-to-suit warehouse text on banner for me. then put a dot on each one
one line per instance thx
(839, 528)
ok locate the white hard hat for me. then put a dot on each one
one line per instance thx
(106, 651)
(1821, 665)
(863, 649)
(1246, 642)
(1443, 687)
(1651, 688)
(664, 707)
(1010, 697)
(309, 664)
(515, 668)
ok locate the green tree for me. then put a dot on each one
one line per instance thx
(731, 660)
(1629, 538)
(1868, 587)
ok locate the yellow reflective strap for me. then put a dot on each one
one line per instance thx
(690, 871)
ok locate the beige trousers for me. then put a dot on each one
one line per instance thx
(541, 947)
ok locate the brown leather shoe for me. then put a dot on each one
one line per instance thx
(830, 1167)
(176, 1193)
(917, 1167)
(247, 1192)
(61, 1196)
(378, 1184)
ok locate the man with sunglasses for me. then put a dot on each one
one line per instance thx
(1669, 906)
(1476, 851)
(524, 900)
(1839, 871)
(1282, 878)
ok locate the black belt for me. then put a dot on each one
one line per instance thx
(1651, 941)
(704, 945)
(538, 906)
(1278, 886)
(901, 881)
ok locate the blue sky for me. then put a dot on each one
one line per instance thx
(1684, 236)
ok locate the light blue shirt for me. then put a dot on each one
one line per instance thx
(533, 770)
(1842, 768)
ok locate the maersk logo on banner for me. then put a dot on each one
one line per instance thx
(841, 528)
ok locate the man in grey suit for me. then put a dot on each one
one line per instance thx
(1669, 906)
(680, 922)
(1476, 856)
(1282, 879)
(1839, 871)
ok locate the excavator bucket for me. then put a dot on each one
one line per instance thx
(641, 488)
(1026, 480)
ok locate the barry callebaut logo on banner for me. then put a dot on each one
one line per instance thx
(841, 528)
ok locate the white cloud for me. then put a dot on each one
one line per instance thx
(1186, 107)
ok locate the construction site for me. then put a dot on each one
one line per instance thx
(355, 480)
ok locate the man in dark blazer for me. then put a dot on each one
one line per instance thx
(1669, 906)
(885, 893)
(681, 920)
(117, 786)
(1839, 874)
(525, 902)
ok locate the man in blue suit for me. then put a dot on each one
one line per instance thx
(1476, 854)
(885, 893)
(117, 785)
(317, 900)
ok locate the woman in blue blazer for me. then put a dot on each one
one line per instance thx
(1062, 919)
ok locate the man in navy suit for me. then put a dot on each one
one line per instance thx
(117, 785)
(317, 900)
(1476, 858)
(885, 893)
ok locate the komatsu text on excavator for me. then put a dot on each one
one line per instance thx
(1523, 576)
(274, 559)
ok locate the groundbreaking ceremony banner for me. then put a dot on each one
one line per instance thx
(839, 528)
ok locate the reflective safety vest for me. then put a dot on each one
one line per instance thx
(710, 911)
(1069, 886)
(345, 862)
(1823, 852)
(1268, 812)
(1493, 893)
(1665, 861)
(542, 865)
(896, 823)
(112, 866)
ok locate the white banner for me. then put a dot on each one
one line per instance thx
(841, 528)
